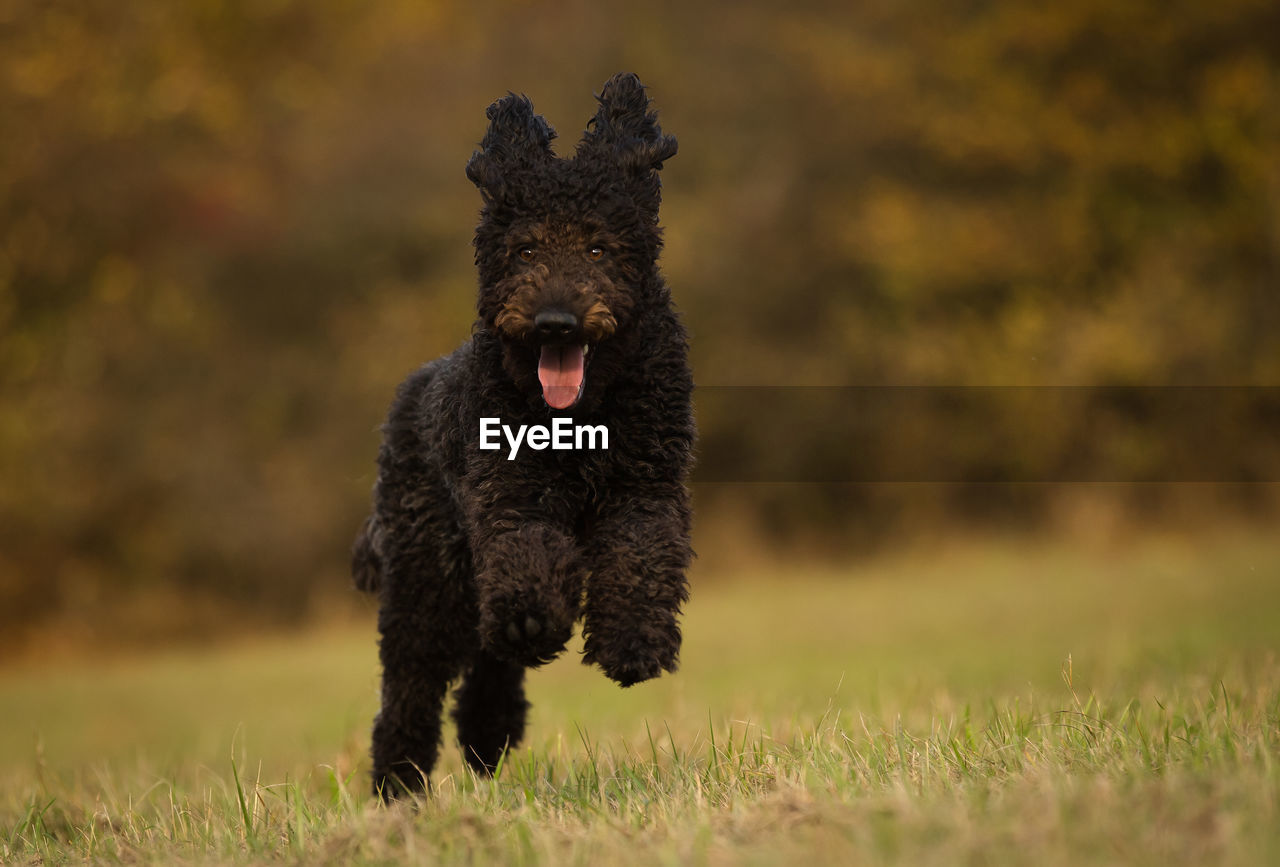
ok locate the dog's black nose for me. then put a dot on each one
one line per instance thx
(550, 326)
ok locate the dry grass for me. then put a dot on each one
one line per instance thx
(976, 705)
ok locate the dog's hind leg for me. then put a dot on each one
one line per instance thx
(417, 669)
(427, 625)
(490, 711)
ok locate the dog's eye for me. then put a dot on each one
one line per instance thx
(595, 254)
(525, 253)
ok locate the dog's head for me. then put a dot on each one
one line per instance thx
(566, 247)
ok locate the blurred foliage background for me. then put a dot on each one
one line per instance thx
(228, 229)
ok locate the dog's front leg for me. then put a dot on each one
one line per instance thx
(639, 552)
(529, 580)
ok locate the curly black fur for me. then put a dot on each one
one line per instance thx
(482, 564)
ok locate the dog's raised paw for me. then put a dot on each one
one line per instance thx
(527, 638)
(633, 672)
(630, 656)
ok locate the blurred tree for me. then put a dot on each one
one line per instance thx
(227, 229)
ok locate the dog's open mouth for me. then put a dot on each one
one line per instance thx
(560, 370)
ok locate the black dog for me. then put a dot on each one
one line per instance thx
(482, 557)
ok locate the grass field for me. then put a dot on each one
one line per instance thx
(976, 704)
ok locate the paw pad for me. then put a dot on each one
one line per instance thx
(528, 639)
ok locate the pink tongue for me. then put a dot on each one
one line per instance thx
(560, 372)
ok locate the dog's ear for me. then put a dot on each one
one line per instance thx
(516, 138)
(625, 130)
